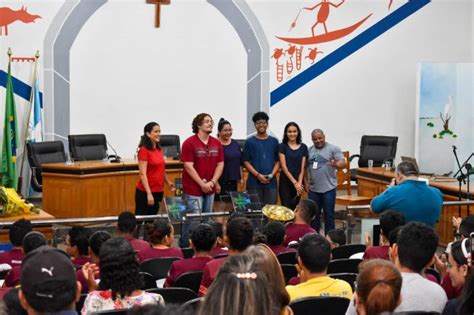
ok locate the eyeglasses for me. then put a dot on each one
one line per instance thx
(261, 122)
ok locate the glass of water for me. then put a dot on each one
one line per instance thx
(388, 166)
(370, 163)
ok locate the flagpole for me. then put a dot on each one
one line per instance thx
(27, 123)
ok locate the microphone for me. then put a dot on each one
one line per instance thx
(116, 157)
(454, 148)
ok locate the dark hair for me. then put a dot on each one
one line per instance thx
(203, 237)
(337, 236)
(407, 169)
(145, 140)
(393, 236)
(198, 120)
(235, 215)
(308, 209)
(12, 303)
(260, 116)
(417, 243)
(457, 252)
(157, 230)
(315, 252)
(389, 220)
(240, 233)
(378, 286)
(220, 125)
(119, 268)
(18, 230)
(467, 225)
(285, 136)
(218, 229)
(33, 240)
(259, 238)
(79, 236)
(275, 232)
(97, 239)
(127, 222)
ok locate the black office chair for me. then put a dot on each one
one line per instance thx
(188, 252)
(157, 267)
(190, 280)
(221, 255)
(41, 153)
(149, 281)
(88, 147)
(171, 146)
(192, 305)
(175, 295)
(330, 305)
(346, 251)
(287, 258)
(289, 271)
(349, 277)
(241, 143)
(111, 312)
(380, 149)
(344, 265)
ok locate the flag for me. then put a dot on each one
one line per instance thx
(10, 137)
(35, 124)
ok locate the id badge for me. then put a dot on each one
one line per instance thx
(315, 165)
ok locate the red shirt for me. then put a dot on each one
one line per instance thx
(210, 273)
(155, 169)
(377, 252)
(295, 231)
(205, 159)
(186, 265)
(447, 285)
(278, 249)
(12, 257)
(137, 244)
(13, 277)
(80, 261)
(151, 252)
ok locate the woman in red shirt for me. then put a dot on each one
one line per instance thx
(151, 166)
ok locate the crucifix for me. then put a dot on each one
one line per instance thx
(158, 4)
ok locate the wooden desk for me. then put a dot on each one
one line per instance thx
(42, 215)
(94, 188)
(372, 182)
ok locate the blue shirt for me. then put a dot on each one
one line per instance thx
(262, 154)
(232, 161)
(293, 158)
(414, 199)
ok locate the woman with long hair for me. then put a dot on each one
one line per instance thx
(151, 167)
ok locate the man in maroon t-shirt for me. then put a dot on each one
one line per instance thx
(275, 234)
(389, 220)
(16, 233)
(304, 213)
(126, 226)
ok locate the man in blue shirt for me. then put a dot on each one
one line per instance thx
(413, 198)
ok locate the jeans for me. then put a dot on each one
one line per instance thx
(326, 202)
(205, 204)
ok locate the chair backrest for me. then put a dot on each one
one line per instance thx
(157, 267)
(80, 303)
(289, 271)
(175, 295)
(190, 280)
(193, 304)
(377, 148)
(171, 146)
(349, 277)
(346, 251)
(88, 147)
(241, 143)
(112, 312)
(149, 281)
(343, 176)
(188, 252)
(220, 256)
(344, 265)
(330, 305)
(287, 258)
(44, 152)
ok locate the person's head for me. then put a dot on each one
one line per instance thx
(336, 237)
(467, 226)
(378, 287)
(259, 238)
(319, 138)
(219, 231)
(224, 129)
(151, 136)
(239, 288)
(404, 170)
(33, 240)
(119, 268)
(203, 122)
(239, 234)
(12, 303)
(458, 266)
(266, 261)
(77, 241)
(48, 281)
(95, 243)
(416, 245)
(306, 210)
(292, 133)
(18, 230)
(161, 231)
(275, 232)
(127, 222)
(314, 253)
(389, 220)
(260, 121)
(203, 238)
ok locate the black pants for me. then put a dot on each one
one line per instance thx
(226, 187)
(141, 205)
(288, 193)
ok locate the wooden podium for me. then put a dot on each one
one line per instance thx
(94, 188)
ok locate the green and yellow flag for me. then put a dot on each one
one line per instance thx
(10, 138)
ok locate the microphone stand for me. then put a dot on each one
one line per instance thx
(116, 158)
(462, 177)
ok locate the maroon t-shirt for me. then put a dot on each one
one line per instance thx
(80, 261)
(210, 273)
(151, 252)
(218, 251)
(155, 169)
(447, 285)
(278, 249)
(295, 231)
(205, 159)
(186, 265)
(13, 257)
(13, 277)
(137, 245)
(377, 252)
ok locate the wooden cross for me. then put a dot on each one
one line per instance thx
(158, 4)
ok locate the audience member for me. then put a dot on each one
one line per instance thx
(203, 238)
(336, 237)
(259, 238)
(16, 233)
(238, 236)
(378, 287)
(304, 213)
(161, 236)
(415, 199)
(239, 288)
(219, 248)
(48, 282)
(275, 234)
(77, 245)
(120, 282)
(126, 227)
(12, 303)
(314, 254)
(389, 220)
(465, 305)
